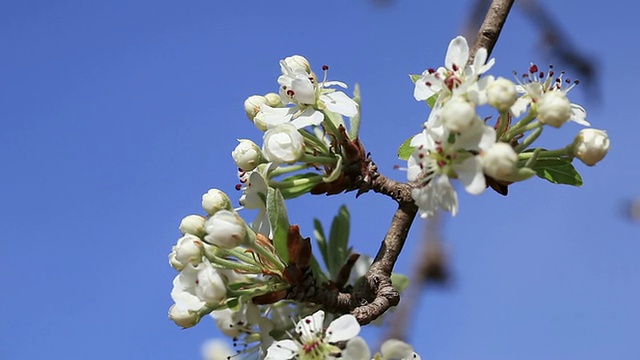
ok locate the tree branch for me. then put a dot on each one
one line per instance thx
(491, 27)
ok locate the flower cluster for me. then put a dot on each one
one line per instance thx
(456, 143)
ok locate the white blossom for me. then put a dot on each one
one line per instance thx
(283, 144)
(502, 94)
(225, 229)
(189, 250)
(247, 155)
(500, 161)
(215, 200)
(252, 105)
(396, 349)
(312, 342)
(591, 146)
(192, 224)
(554, 108)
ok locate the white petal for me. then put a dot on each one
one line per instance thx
(275, 116)
(308, 117)
(284, 349)
(356, 349)
(340, 103)
(343, 328)
(421, 91)
(310, 327)
(304, 91)
(334, 83)
(470, 174)
(457, 53)
(579, 115)
(447, 196)
(520, 106)
(396, 349)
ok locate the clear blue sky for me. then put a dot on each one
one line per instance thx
(116, 116)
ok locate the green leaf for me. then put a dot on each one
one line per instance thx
(318, 274)
(277, 213)
(558, 171)
(400, 282)
(414, 77)
(338, 241)
(405, 150)
(431, 101)
(318, 233)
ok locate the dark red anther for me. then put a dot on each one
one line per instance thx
(428, 83)
(533, 68)
(576, 82)
(551, 73)
(238, 187)
(325, 67)
(454, 67)
(290, 92)
(541, 75)
(421, 155)
(396, 167)
(567, 80)
(431, 70)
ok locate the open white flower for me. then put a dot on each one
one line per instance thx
(441, 155)
(300, 87)
(536, 85)
(312, 341)
(456, 75)
(283, 144)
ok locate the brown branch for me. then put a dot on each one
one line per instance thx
(491, 26)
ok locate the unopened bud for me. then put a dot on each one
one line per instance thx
(500, 161)
(283, 144)
(215, 200)
(502, 94)
(252, 105)
(591, 146)
(183, 317)
(554, 108)
(247, 155)
(189, 250)
(192, 224)
(296, 63)
(225, 229)
(458, 114)
(273, 99)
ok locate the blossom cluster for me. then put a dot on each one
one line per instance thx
(456, 143)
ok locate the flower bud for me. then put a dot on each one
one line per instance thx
(554, 108)
(247, 155)
(283, 144)
(260, 122)
(500, 161)
(192, 224)
(501, 94)
(183, 317)
(211, 287)
(189, 249)
(273, 99)
(458, 114)
(591, 145)
(252, 105)
(297, 63)
(174, 262)
(215, 200)
(225, 229)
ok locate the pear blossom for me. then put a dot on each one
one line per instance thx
(554, 108)
(192, 224)
(312, 341)
(458, 114)
(252, 105)
(441, 155)
(216, 349)
(189, 250)
(247, 155)
(536, 84)
(211, 287)
(500, 161)
(591, 146)
(456, 75)
(300, 87)
(396, 349)
(502, 94)
(283, 144)
(225, 229)
(184, 291)
(183, 317)
(254, 197)
(215, 200)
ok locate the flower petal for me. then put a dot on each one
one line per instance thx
(343, 328)
(284, 349)
(340, 103)
(457, 53)
(396, 349)
(308, 117)
(356, 349)
(579, 115)
(470, 174)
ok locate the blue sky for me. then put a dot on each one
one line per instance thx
(116, 117)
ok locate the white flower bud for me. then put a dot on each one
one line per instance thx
(252, 105)
(283, 144)
(297, 63)
(225, 229)
(189, 249)
(192, 224)
(501, 94)
(211, 287)
(260, 122)
(554, 108)
(215, 200)
(247, 155)
(174, 262)
(458, 114)
(273, 99)
(500, 161)
(183, 317)
(591, 146)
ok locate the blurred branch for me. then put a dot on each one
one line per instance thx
(491, 26)
(429, 266)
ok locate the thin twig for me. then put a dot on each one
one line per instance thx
(491, 26)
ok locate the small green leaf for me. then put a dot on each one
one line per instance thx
(405, 150)
(318, 233)
(414, 77)
(399, 282)
(338, 241)
(318, 274)
(354, 122)
(431, 101)
(277, 213)
(558, 171)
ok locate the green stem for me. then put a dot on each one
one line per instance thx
(312, 159)
(295, 182)
(330, 127)
(546, 153)
(531, 138)
(317, 143)
(270, 257)
(503, 122)
(287, 169)
(228, 264)
(517, 127)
